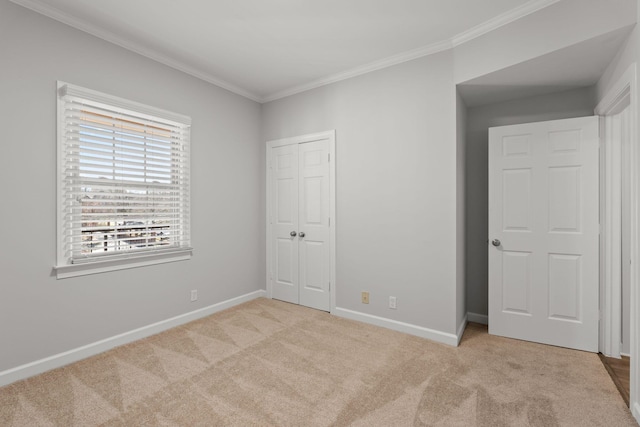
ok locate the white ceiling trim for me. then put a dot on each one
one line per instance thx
(364, 69)
(503, 19)
(53, 13)
(477, 31)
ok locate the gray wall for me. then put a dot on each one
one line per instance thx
(41, 316)
(574, 103)
(627, 55)
(396, 185)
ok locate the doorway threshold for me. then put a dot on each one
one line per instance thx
(618, 370)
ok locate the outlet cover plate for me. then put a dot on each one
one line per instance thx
(365, 297)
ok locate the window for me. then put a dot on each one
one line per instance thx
(123, 183)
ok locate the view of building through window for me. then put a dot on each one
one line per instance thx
(137, 215)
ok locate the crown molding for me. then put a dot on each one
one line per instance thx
(363, 69)
(42, 8)
(501, 20)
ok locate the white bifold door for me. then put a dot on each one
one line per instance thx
(299, 220)
(543, 232)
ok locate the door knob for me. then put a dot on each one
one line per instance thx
(293, 234)
(302, 234)
(495, 242)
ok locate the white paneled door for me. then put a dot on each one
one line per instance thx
(299, 218)
(284, 223)
(543, 232)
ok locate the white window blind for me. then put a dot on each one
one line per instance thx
(123, 174)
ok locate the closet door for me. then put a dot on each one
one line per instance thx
(284, 223)
(313, 218)
(300, 247)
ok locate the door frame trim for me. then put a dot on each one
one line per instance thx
(625, 86)
(329, 135)
(611, 227)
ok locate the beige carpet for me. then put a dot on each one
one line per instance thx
(271, 363)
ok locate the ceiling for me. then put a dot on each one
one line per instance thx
(573, 67)
(267, 49)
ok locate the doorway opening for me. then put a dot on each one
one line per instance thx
(617, 122)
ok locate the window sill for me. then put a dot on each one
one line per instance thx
(103, 266)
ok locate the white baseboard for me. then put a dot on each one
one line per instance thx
(58, 360)
(483, 319)
(461, 329)
(432, 334)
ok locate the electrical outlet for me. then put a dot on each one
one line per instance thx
(392, 302)
(365, 297)
(194, 295)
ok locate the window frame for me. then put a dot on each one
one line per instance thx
(64, 266)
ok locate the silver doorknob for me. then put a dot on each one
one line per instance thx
(293, 234)
(495, 242)
(302, 234)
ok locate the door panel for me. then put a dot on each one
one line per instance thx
(564, 199)
(564, 286)
(284, 260)
(313, 277)
(543, 207)
(516, 187)
(285, 187)
(516, 282)
(516, 145)
(314, 223)
(284, 177)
